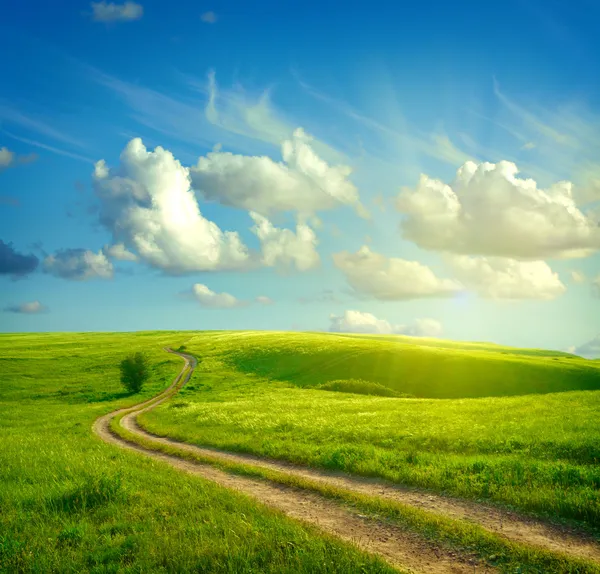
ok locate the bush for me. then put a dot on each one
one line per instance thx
(135, 372)
(360, 387)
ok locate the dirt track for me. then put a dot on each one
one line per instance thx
(398, 547)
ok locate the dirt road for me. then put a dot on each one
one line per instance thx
(401, 548)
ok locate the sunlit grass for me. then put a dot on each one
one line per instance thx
(70, 503)
(538, 453)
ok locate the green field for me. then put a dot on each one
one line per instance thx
(70, 503)
(535, 450)
(487, 422)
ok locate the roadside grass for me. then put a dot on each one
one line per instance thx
(470, 540)
(535, 453)
(70, 503)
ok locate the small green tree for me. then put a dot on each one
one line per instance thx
(135, 371)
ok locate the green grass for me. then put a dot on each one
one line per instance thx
(424, 368)
(70, 503)
(359, 387)
(461, 536)
(539, 452)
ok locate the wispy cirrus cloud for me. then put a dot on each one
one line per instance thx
(52, 149)
(13, 116)
(199, 113)
(437, 144)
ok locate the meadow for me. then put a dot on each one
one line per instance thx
(71, 503)
(512, 426)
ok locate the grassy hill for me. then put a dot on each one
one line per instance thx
(420, 367)
(71, 503)
(535, 450)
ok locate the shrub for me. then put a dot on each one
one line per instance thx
(135, 372)
(360, 387)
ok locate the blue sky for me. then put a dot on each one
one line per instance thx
(337, 134)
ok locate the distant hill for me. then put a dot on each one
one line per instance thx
(417, 366)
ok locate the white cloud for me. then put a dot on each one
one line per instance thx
(424, 328)
(589, 350)
(119, 252)
(6, 157)
(78, 265)
(577, 276)
(284, 248)
(30, 308)
(390, 279)
(11, 159)
(264, 300)
(360, 322)
(148, 206)
(488, 210)
(302, 182)
(239, 113)
(208, 298)
(504, 278)
(112, 12)
(209, 17)
(528, 146)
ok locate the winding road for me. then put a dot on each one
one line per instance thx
(397, 546)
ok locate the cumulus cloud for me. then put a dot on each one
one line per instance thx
(148, 206)
(11, 159)
(78, 265)
(112, 12)
(489, 210)
(30, 308)
(208, 298)
(577, 276)
(119, 252)
(7, 157)
(14, 263)
(303, 182)
(504, 278)
(424, 328)
(589, 350)
(264, 300)
(284, 248)
(360, 322)
(391, 279)
(209, 17)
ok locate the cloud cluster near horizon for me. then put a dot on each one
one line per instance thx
(494, 231)
(353, 321)
(31, 308)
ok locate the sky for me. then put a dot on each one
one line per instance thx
(430, 169)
